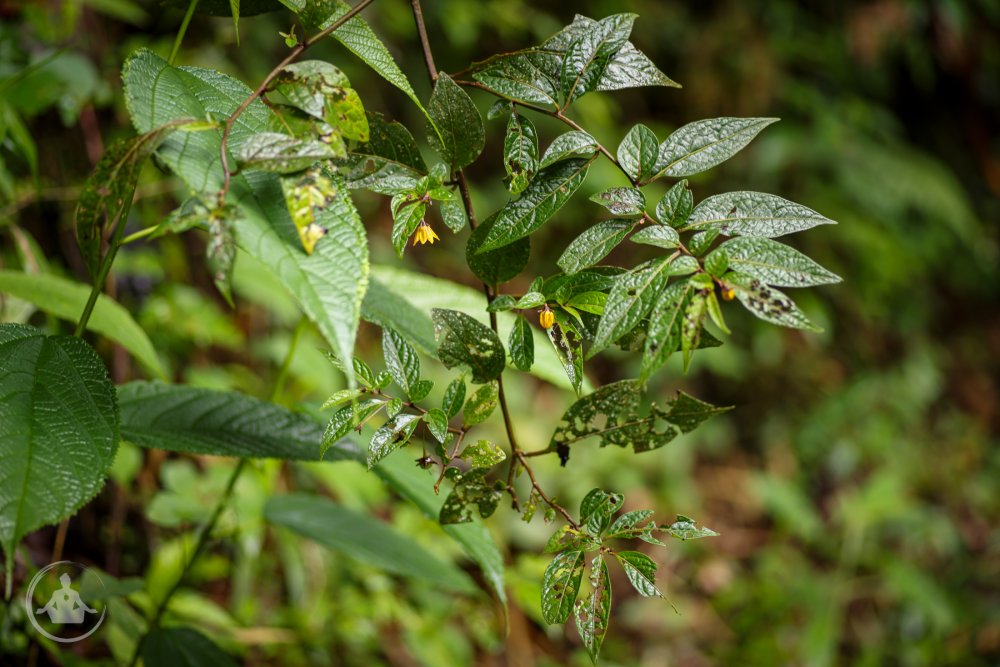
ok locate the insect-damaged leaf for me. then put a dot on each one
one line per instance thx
(462, 135)
(482, 454)
(481, 404)
(705, 143)
(684, 528)
(392, 435)
(561, 585)
(520, 153)
(593, 611)
(568, 343)
(551, 188)
(769, 304)
(280, 153)
(220, 253)
(621, 201)
(464, 341)
(597, 508)
(471, 492)
(324, 92)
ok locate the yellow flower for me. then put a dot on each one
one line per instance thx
(728, 293)
(546, 318)
(424, 234)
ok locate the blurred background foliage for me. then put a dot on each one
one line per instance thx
(856, 485)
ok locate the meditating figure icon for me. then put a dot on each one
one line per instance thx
(65, 606)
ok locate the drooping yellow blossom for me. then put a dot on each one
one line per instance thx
(424, 234)
(546, 318)
(728, 293)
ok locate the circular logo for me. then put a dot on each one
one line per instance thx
(70, 603)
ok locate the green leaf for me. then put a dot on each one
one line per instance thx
(675, 206)
(108, 191)
(688, 412)
(597, 508)
(702, 241)
(588, 302)
(686, 529)
(348, 418)
(437, 423)
(514, 76)
(407, 213)
(551, 188)
(392, 435)
(717, 261)
(420, 390)
(641, 572)
(769, 304)
(621, 201)
(663, 336)
(328, 284)
(464, 341)
(593, 612)
(60, 430)
(483, 454)
(567, 538)
(575, 143)
(453, 214)
(520, 153)
(182, 647)
(65, 299)
(637, 153)
(400, 360)
(471, 491)
(481, 404)
(501, 304)
(324, 92)
(530, 299)
(594, 244)
(500, 265)
(568, 344)
(660, 236)
(625, 525)
(454, 397)
(630, 300)
(588, 55)
(630, 68)
(561, 585)
(220, 252)
(692, 323)
(234, 9)
(386, 308)
(389, 163)
(521, 345)
(364, 538)
(699, 146)
(753, 214)
(462, 135)
(338, 398)
(773, 263)
(280, 153)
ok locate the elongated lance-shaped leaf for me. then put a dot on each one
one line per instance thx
(59, 428)
(769, 304)
(551, 188)
(630, 300)
(454, 397)
(389, 163)
(400, 360)
(753, 214)
(459, 137)
(594, 244)
(520, 152)
(575, 143)
(65, 299)
(330, 283)
(593, 611)
(701, 145)
(521, 345)
(568, 343)
(588, 55)
(561, 585)
(464, 341)
(773, 263)
(685, 528)
(637, 153)
(641, 572)
(663, 336)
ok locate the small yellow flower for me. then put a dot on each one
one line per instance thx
(424, 234)
(728, 293)
(546, 318)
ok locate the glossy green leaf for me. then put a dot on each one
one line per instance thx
(631, 68)
(464, 341)
(675, 206)
(364, 538)
(561, 585)
(753, 214)
(551, 188)
(588, 55)
(773, 263)
(621, 201)
(501, 304)
(516, 77)
(179, 646)
(597, 508)
(521, 345)
(437, 423)
(660, 236)
(630, 300)
(588, 302)
(407, 214)
(520, 152)
(685, 528)
(348, 418)
(454, 397)
(392, 435)
(481, 404)
(701, 145)
(567, 341)
(593, 612)
(769, 304)
(340, 397)
(637, 153)
(390, 162)
(280, 153)
(574, 143)
(400, 360)
(530, 299)
(462, 135)
(627, 525)
(59, 430)
(641, 572)
(594, 244)
(65, 299)
(330, 283)
(692, 323)
(496, 266)
(663, 335)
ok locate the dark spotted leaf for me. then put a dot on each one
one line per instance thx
(567, 538)
(627, 525)
(701, 145)
(481, 404)
(561, 585)
(593, 611)
(568, 343)
(464, 341)
(663, 335)
(688, 412)
(621, 201)
(769, 304)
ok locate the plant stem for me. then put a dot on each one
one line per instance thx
(203, 536)
(279, 380)
(517, 454)
(182, 31)
(256, 94)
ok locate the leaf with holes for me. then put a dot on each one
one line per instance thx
(482, 454)
(481, 404)
(472, 492)
(389, 437)
(561, 585)
(641, 572)
(593, 612)
(464, 341)
(568, 343)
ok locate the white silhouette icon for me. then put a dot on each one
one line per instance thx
(65, 605)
